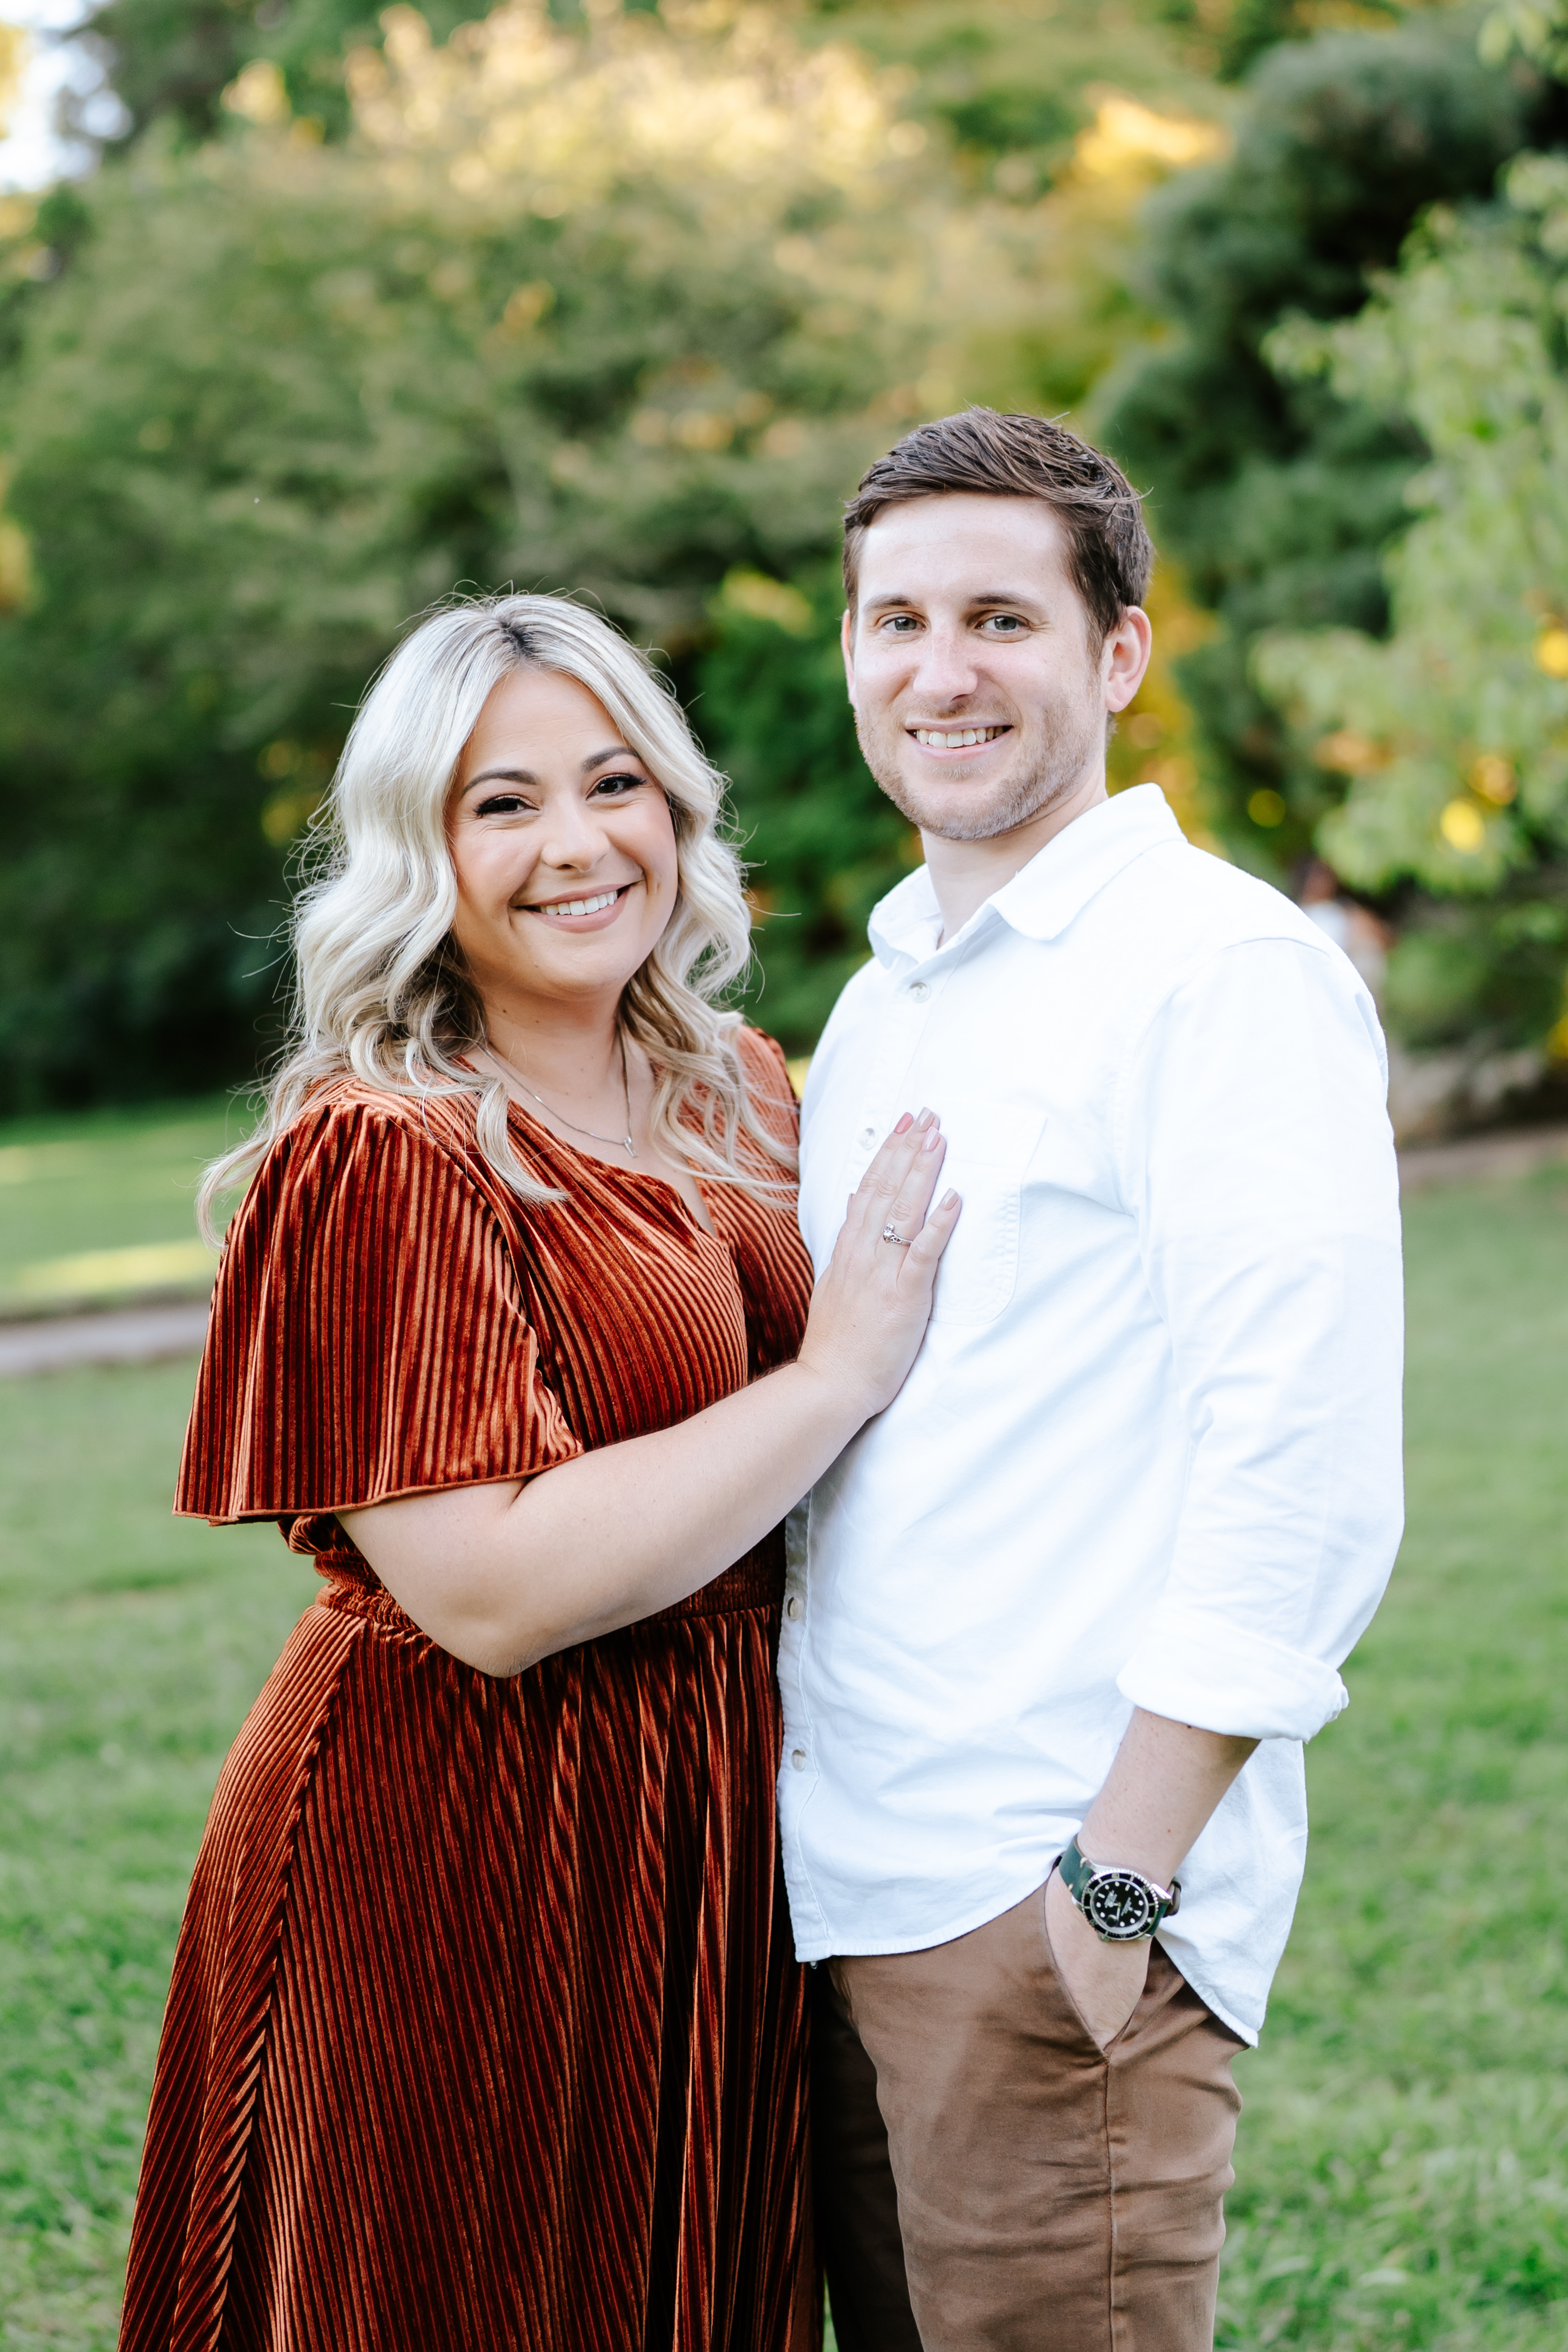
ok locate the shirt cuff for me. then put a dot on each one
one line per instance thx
(1218, 1677)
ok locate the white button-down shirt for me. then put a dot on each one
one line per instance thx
(1149, 1452)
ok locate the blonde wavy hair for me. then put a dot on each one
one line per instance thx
(381, 989)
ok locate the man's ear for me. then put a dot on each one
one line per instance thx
(846, 641)
(1126, 657)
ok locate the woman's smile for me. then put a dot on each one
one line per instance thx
(591, 911)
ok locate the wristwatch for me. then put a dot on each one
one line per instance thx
(1122, 1906)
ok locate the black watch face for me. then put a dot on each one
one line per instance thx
(1120, 1905)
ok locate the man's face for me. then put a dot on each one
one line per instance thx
(979, 699)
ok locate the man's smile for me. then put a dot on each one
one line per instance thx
(956, 739)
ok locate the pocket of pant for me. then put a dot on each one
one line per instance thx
(1068, 2002)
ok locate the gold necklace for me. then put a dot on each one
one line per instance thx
(614, 1143)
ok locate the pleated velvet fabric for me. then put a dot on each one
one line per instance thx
(485, 2029)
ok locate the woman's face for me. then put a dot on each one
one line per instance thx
(562, 844)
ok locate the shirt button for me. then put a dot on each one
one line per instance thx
(797, 1758)
(795, 1606)
(920, 990)
(867, 1135)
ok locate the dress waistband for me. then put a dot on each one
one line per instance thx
(754, 1581)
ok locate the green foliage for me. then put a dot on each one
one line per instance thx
(1279, 496)
(1453, 731)
(1009, 84)
(286, 396)
(173, 59)
(623, 310)
(823, 844)
(1402, 2163)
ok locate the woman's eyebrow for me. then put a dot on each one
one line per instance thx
(501, 776)
(527, 776)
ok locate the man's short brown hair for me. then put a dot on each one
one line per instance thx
(1111, 555)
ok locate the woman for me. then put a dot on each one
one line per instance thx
(484, 2029)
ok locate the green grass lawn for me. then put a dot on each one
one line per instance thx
(101, 1205)
(1404, 2156)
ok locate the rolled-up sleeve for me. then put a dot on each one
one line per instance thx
(1256, 1157)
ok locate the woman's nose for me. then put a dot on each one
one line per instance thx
(570, 837)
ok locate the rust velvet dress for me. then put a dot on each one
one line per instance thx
(485, 2029)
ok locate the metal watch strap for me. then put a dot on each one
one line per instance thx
(1122, 1905)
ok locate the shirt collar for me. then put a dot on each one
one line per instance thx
(1043, 897)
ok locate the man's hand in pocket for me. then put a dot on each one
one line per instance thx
(1103, 1980)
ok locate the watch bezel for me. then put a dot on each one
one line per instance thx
(1111, 1885)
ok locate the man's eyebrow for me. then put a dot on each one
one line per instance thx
(986, 600)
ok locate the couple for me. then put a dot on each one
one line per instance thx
(488, 2028)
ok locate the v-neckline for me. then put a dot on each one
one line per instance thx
(708, 1231)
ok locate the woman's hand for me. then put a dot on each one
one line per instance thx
(504, 1575)
(869, 1311)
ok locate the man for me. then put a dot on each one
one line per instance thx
(1074, 1602)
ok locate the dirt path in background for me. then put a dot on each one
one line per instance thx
(141, 1335)
(1476, 1158)
(121, 1335)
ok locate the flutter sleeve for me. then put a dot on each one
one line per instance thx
(368, 1335)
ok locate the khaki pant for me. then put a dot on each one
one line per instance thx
(988, 2180)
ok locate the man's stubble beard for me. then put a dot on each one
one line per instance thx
(1050, 769)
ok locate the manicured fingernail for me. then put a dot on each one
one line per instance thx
(932, 1138)
(904, 1125)
(949, 1199)
(925, 1118)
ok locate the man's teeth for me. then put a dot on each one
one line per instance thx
(581, 906)
(928, 736)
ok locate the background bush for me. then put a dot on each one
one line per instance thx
(361, 313)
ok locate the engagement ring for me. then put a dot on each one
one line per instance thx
(889, 1235)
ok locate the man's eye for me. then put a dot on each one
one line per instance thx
(502, 804)
(1007, 623)
(902, 622)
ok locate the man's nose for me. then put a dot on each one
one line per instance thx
(946, 670)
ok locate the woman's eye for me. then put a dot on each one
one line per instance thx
(619, 784)
(503, 804)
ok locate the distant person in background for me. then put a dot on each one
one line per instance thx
(1074, 1601)
(484, 2032)
(1354, 928)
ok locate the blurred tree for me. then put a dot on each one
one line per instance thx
(14, 49)
(623, 308)
(825, 846)
(1279, 496)
(1452, 734)
(171, 60)
(615, 312)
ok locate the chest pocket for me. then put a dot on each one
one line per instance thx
(979, 1269)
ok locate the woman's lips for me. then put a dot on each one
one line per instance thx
(591, 910)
